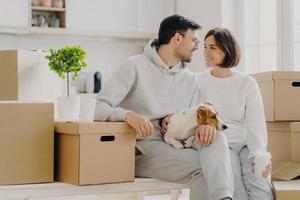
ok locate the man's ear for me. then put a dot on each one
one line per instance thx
(177, 38)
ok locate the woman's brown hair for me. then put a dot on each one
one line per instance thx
(227, 42)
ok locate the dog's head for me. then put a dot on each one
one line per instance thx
(206, 114)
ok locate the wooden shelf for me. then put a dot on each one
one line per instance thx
(68, 32)
(39, 31)
(49, 9)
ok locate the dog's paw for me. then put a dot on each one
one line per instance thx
(189, 142)
(178, 145)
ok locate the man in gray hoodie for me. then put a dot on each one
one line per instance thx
(150, 86)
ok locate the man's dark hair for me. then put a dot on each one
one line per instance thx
(227, 42)
(172, 25)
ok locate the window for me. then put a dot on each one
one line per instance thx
(260, 38)
(296, 40)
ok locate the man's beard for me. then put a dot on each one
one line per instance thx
(188, 60)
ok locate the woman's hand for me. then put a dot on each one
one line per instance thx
(164, 124)
(267, 171)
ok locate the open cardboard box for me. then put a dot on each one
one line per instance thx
(279, 142)
(287, 190)
(288, 173)
(295, 141)
(288, 186)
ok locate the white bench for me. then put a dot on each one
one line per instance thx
(57, 189)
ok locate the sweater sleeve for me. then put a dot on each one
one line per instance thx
(195, 100)
(255, 120)
(108, 100)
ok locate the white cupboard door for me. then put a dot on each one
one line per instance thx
(14, 13)
(151, 13)
(101, 15)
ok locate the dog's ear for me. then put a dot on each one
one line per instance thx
(202, 111)
(206, 112)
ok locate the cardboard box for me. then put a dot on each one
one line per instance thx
(281, 94)
(287, 171)
(26, 76)
(295, 141)
(26, 142)
(287, 190)
(94, 153)
(279, 142)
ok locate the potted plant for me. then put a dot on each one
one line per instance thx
(65, 62)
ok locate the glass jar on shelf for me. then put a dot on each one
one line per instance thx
(58, 3)
(35, 2)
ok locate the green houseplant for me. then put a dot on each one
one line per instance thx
(64, 62)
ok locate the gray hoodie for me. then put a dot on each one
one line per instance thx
(144, 84)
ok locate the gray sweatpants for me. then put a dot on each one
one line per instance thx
(197, 166)
(247, 184)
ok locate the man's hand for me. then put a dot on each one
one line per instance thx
(165, 122)
(205, 135)
(140, 123)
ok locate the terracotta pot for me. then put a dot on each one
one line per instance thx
(46, 3)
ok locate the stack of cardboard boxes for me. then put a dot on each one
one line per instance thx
(27, 92)
(86, 153)
(281, 97)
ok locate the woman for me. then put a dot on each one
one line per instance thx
(237, 98)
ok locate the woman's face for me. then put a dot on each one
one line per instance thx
(213, 55)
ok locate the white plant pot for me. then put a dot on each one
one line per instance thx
(68, 108)
(87, 109)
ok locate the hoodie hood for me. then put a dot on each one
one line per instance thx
(151, 53)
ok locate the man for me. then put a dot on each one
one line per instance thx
(150, 86)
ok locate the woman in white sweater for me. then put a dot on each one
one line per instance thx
(236, 96)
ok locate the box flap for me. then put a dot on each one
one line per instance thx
(286, 75)
(295, 126)
(287, 185)
(279, 126)
(287, 171)
(92, 128)
(263, 76)
(277, 75)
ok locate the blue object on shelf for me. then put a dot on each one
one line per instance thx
(97, 82)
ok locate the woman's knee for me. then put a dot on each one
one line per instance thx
(221, 139)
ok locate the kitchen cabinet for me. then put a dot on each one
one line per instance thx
(14, 14)
(127, 19)
(44, 17)
(151, 12)
(101, 15)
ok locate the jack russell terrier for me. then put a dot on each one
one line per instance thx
(182, 125)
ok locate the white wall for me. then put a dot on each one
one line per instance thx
(106, 54)
(209, 14)
(103, 54)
